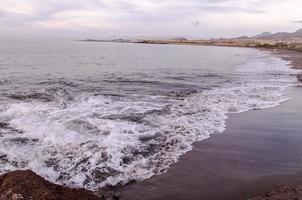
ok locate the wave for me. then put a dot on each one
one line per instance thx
(98, 140)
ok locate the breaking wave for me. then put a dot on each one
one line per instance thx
(90, 140)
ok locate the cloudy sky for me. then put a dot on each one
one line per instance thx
(136, 18)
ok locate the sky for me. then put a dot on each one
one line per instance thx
(147, 18)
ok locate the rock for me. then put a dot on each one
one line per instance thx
(23, 141)
(3, 125)
(299, 77)
(26, 185)
(17, 197)
(283, 192)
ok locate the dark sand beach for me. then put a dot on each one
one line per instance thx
(259, 150)
(150, 100)
(295, 57)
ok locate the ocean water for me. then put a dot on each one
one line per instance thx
(95, 114)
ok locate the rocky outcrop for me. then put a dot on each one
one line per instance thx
(26, 185)
(283, 192)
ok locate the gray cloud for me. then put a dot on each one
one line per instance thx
(2, 13)
(134, 16)
(196, 22)
(230, 9)
(297, 21)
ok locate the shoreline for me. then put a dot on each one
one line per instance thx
(221, 167)
(295, 57)
(270, 45)
(234, 165)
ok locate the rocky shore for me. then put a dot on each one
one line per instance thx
(26, 185)
(283, 192)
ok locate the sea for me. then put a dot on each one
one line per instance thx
(92, 114)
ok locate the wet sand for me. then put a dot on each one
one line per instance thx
(259, 150)
(294, 56)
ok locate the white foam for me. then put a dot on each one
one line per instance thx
(93, 142)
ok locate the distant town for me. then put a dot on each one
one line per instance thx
(282, 40)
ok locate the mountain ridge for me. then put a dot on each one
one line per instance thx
(297, 35)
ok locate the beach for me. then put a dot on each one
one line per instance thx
(259, 150)
(293, 56)
(150, 100)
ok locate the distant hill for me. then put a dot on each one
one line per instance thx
(279, 36)
(264, 34)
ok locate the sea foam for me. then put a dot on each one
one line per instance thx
(92, 141)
